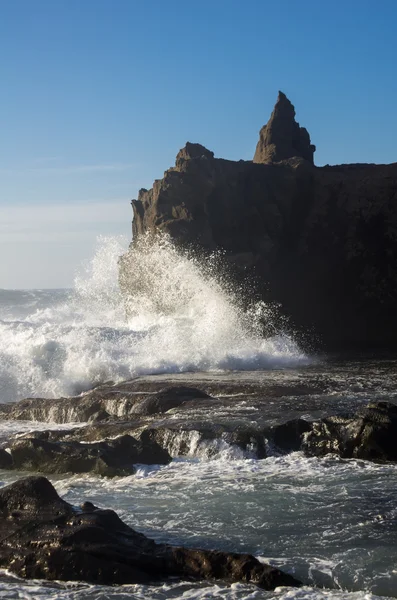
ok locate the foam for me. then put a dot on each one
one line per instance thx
(36, 590)
(182, 317)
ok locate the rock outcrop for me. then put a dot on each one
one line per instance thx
(104, 402)
(282, 137)
(245, 419)
(148, 420)
(110, 458)
(319, 241)
(44, 537)
(369, 434)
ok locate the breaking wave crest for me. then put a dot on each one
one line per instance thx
(181, 316)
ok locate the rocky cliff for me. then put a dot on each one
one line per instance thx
(321, 241)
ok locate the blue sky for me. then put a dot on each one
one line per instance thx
(99, 95)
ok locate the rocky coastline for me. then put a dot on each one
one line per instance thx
(151, 420)
(320, 242)
(44, 537)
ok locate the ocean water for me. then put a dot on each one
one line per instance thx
(331, 522)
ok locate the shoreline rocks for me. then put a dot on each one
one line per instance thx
(109, 458)
(369, 434)
(103, 402)
(150, 420)
(44, 537)
(112, 448)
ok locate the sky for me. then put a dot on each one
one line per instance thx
(98, 96)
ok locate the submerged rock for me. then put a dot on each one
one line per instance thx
(109, 458)
(44, 537)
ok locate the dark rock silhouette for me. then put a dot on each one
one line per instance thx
(321, 242)
(44, 537)
(369, 434)
(282, 137)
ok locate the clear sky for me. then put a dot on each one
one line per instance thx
(99, 95)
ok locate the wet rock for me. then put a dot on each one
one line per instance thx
(103, 403)
(369, 434)
(245, 413)
(288, 437)
(94, 432)
(43, 537)
(101, 415)
(5, 459)
(206, 439)
(175, 436)
(167, 399)
(110, 458)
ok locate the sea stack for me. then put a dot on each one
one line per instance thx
(282, 137)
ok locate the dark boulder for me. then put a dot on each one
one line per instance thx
(288, 437)
(43, 537)
(109, 458)
(369, 434)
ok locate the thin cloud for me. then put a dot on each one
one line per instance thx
(45, 159)
(71, 169)
(43, 222)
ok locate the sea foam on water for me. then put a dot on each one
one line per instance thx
(179, 315)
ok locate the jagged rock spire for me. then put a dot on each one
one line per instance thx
(191, 151)
(194, 151)
(282, 137)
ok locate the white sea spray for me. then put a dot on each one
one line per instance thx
(182, 317)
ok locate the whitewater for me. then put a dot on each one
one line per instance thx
(62, 342)
(330, 522)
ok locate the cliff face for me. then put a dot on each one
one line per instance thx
(320, 241)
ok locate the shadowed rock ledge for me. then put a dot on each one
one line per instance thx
(150, 421)
(320, 241)
(44, 537)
